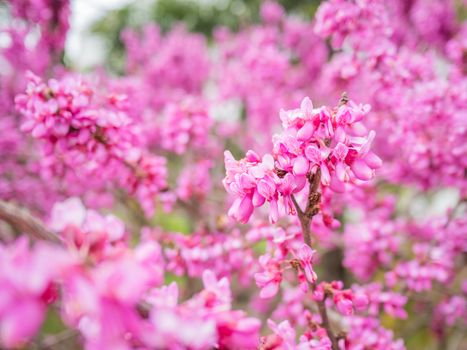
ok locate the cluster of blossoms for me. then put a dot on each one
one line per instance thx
(258, 68)
(194, 181)
(415, 104)
(346, 301)
(187, 125)
(224, 254)
(366, 332)
(342, 20)
(330, 143)
(33, 41)
(84, 278)
(436, 247)
(372, 243)
(89, 134)
(28, 286)
(165, 63)
(113, 211)
(50, 16)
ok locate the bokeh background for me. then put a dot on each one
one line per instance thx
(96, 25)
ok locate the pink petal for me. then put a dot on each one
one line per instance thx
(268, 162)
(361, 170)
(310, 274)
(257, 200)
(257, 171)
(341, 172)
(245, 210)
(269, 290)
(307, 107)
(344, 306)
(21, 322)
(273, 212)
(247, 181)
(305, 132)
(340, 151)
(313, 154)
(300, 166)
(325, 176)
(251, 156)
(372, 160)
(266, 189)
(39, 131)
(337, 185)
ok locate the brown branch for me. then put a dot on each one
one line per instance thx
(20, 219)
(63, 337)
(305, 216)
(312, 206)
(326, 325)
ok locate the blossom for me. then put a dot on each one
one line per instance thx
(305, 256)
(28, 279)
(268, 280)
(332, 141)
(85, 133)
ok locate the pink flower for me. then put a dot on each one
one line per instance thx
(27, 284)
(318, 158)
(305, 256)
(343, 303)
(269, 280)
(271, 12)
(70, 212)
(285, 332)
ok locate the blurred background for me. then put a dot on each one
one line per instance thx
(94, 37)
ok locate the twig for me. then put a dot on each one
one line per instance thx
(326, 325)
(59, 338)
(305, 216)
(312, 206)
(23, 221)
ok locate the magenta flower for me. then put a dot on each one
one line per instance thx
(269, 280)
(305, 256)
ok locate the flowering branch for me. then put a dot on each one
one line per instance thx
(312, 206)
(311, 209)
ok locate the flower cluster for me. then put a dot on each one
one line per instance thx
(331, 144)
(50, 16)
(412, 100)
(345, 300)
(164, 63)
(86, 133)
(267, 67)
(187, 125)
(363, 22)
(27, 280)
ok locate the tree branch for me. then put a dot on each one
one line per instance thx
(312, 206)
(305, 216)
(325, 323)
(23, 221)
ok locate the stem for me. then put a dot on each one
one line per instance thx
(326, 325)
(304, 222)
(312, 206)
(64, 336)
(23, 221)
